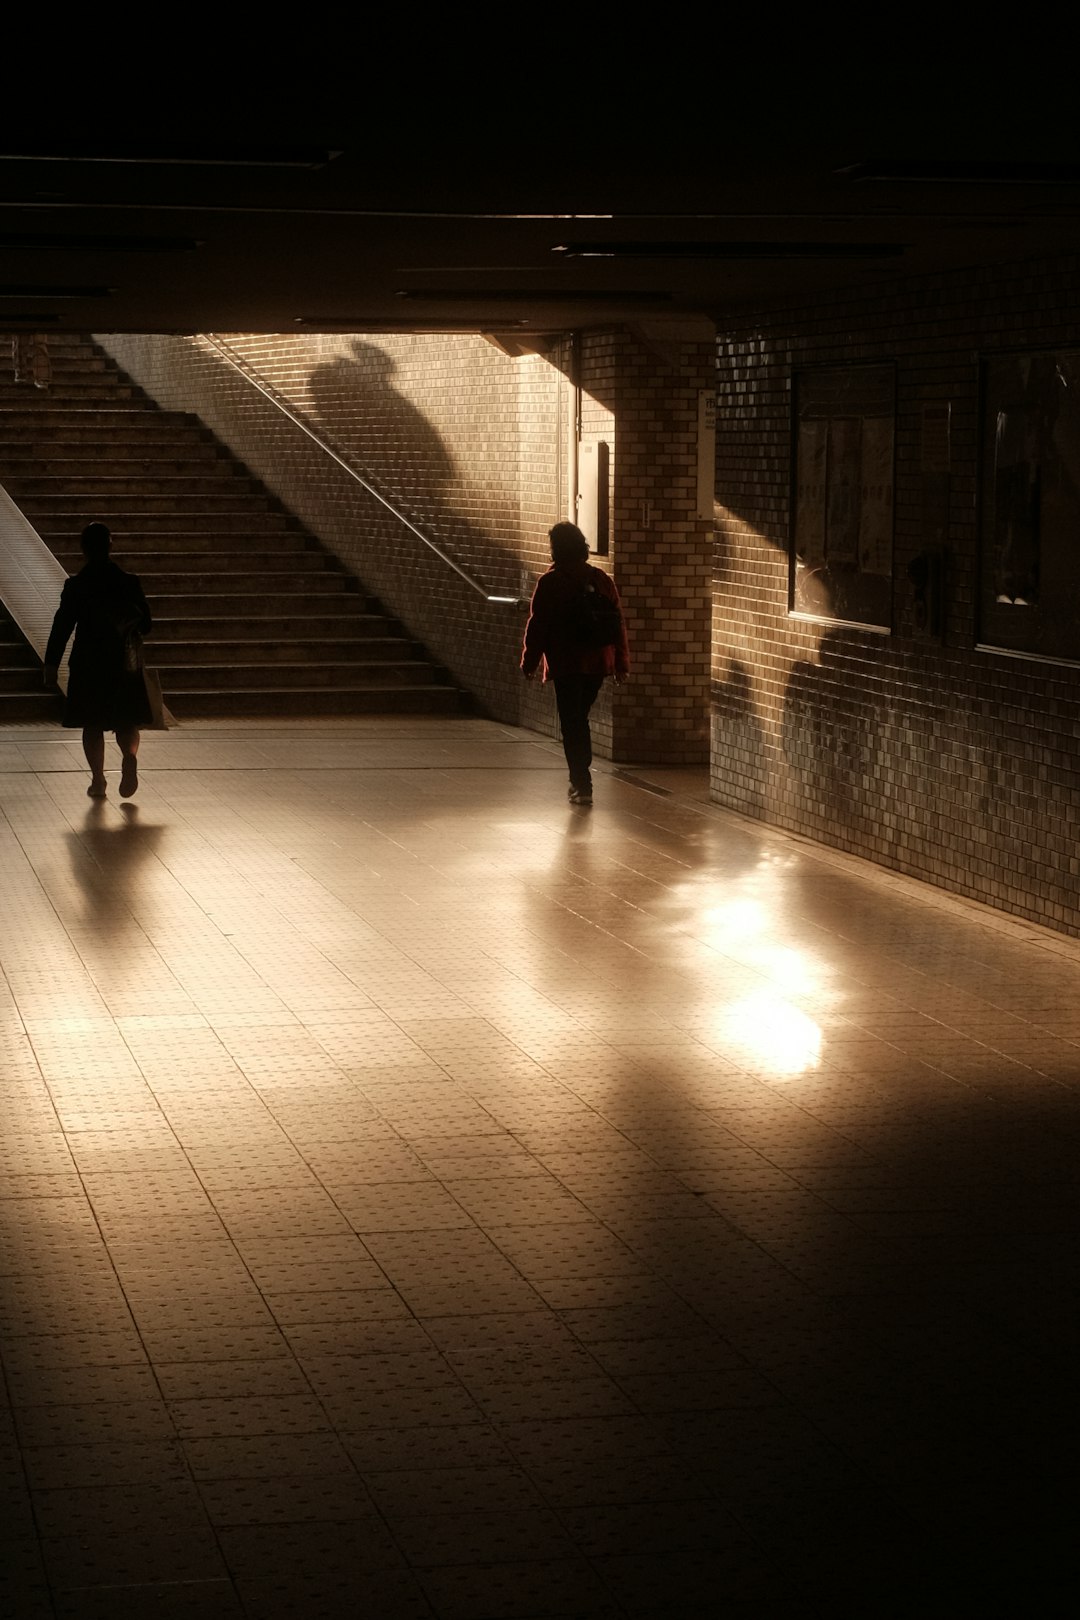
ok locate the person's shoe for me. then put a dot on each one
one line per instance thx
(129, 776)
(97, 788)
(580, 796)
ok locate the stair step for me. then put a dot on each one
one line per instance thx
(326, 628)
(66, 350)
(33, 404)
(227, 502)
(20, 678)
(238, 677)
(16, 657)
(138, 551)
(19, 457)
(76, 390)
(69, 377)
(211, 703)
(209, 559)
(246, 582)
(76, 427)
(43, 707)
(244, 601)
(134, 543)
(24, 478)
(165, 652)
(73, 368)
(14, 652)
(160, 523)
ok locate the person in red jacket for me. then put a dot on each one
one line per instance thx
(576, 636)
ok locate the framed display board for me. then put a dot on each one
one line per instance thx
(1029, 504)
(843, 458)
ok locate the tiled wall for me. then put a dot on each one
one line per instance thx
(663, 565)
(954, 765)
(474, 447)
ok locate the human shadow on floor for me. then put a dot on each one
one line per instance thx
(108, 861)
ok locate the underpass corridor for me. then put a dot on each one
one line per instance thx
(424, 1198)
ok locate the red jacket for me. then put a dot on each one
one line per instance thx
(548, 643)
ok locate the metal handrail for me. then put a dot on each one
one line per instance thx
(270, 392)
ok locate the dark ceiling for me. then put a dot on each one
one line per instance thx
(507, 238)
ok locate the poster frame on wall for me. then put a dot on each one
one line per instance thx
(1027, 587)
(842, 500)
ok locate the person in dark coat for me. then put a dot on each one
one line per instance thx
(555, 643)
(103, 605)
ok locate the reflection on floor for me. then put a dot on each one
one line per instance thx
(420, 1198)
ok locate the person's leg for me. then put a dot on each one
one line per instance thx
(128, 742)
(93, 743)
(574, 697)
(590, 691)
(568, 704)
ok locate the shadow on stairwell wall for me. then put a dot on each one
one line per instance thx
(355, 401)
(374, 425)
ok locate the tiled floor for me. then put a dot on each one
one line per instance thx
(420, 1198)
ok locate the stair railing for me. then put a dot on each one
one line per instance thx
(267, 389)
(31, 578)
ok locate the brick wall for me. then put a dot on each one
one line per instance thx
(663, 561)
(954, 765)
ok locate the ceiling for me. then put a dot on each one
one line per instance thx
(514, 237)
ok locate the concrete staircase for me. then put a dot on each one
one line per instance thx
(252, 615)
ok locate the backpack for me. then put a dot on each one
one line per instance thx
(592, 619)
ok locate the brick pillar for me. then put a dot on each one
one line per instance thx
(662, 551)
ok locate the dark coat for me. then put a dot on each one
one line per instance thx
(99, 603)
(547, 637)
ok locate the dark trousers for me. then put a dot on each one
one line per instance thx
(574, 697)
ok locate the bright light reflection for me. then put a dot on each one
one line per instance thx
(735, 921)
(774, 1033)
(736, 927)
